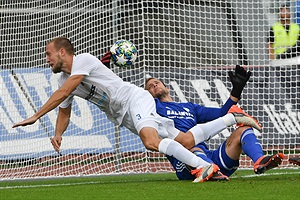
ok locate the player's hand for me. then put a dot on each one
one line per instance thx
(56, 142)
(238, 79)
(106, 59)
(28, 121)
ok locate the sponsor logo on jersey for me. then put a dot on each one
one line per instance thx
(179, 114)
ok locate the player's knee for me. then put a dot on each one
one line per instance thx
(150, 138)
(235, 137)
(239, 131)
(186, 140)
(151, 145)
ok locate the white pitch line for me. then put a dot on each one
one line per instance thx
(71, 184)
(127, 181)
(270, 174)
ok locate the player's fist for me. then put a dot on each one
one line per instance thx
(238, 79)
(56, 142)
(106, 59)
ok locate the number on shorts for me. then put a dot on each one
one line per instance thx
(138, 116)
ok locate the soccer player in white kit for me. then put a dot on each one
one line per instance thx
(124, 104)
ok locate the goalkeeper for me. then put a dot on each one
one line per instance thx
(125, 104)
(226, 156)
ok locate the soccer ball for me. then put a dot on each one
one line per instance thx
(123, 53)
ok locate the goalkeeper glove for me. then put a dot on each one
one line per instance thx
(106, 59)
(238, 79)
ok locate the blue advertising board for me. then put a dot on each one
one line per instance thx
(271, 95)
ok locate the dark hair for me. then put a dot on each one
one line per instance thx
(286, 6)
(62, 42)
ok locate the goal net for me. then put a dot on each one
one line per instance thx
(190, 45)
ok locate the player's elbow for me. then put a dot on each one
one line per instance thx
(62, 93)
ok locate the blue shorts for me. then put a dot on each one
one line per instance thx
(219, 157)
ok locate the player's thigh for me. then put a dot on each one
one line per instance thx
(142, 109)
(142, 113)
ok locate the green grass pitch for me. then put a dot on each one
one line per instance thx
(244, 184)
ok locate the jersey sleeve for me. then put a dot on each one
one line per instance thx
(83, 64)
(206, 114)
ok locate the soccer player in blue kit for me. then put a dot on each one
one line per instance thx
(226, 156)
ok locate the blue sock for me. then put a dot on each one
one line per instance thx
(202, 155)
(251, 145)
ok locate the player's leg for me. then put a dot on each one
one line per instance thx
(228, 154)
(244, 139)
(203, 170)
(201, 150)
(233, 144)
(252, 148)
(182, 170)
(141, 114)
(203, 132)
(169, 147)
(226, 164)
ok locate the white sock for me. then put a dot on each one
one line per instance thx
(175, 149)
(203, 132)
(229, 119)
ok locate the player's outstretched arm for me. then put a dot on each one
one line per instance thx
(238, 79)
(57, 97)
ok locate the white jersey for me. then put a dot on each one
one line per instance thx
(124, 104)
(100, 86)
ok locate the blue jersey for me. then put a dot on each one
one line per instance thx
(186, 115)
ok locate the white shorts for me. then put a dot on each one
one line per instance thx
(142, 113)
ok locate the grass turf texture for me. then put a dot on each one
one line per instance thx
(274, 184)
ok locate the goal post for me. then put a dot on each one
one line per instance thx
(190, 45)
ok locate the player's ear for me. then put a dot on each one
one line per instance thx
(62, 51)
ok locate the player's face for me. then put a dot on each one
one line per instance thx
(53, 58)
(156, 88)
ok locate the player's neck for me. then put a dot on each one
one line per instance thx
(67, 66)
(166, 98)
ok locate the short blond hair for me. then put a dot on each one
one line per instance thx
(63, 42)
